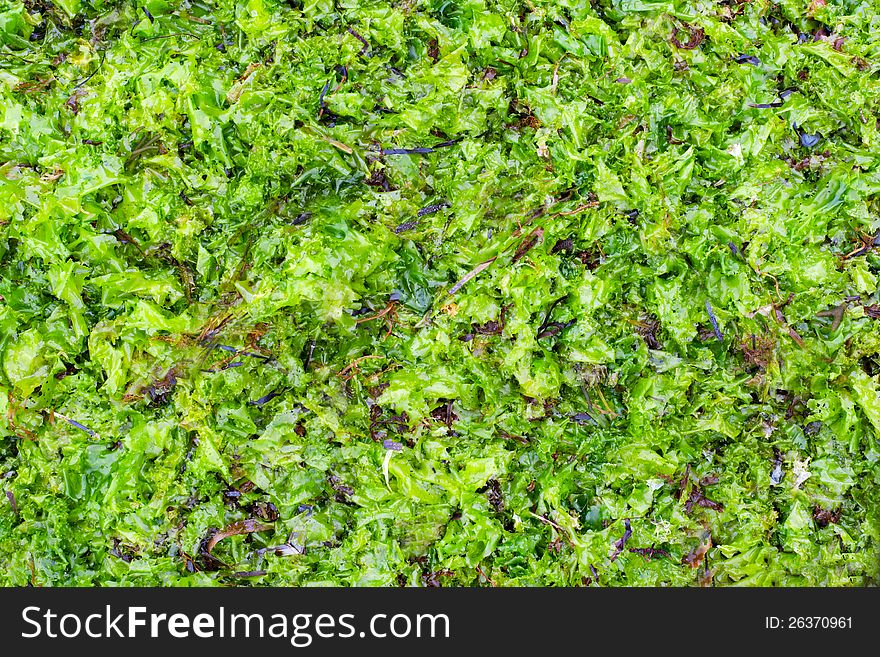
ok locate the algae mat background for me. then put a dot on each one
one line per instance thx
(439, 293)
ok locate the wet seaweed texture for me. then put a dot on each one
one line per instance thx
(431, 293)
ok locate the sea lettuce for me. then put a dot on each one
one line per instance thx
(432, 293)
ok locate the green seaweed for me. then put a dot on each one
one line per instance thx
(513, 293)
